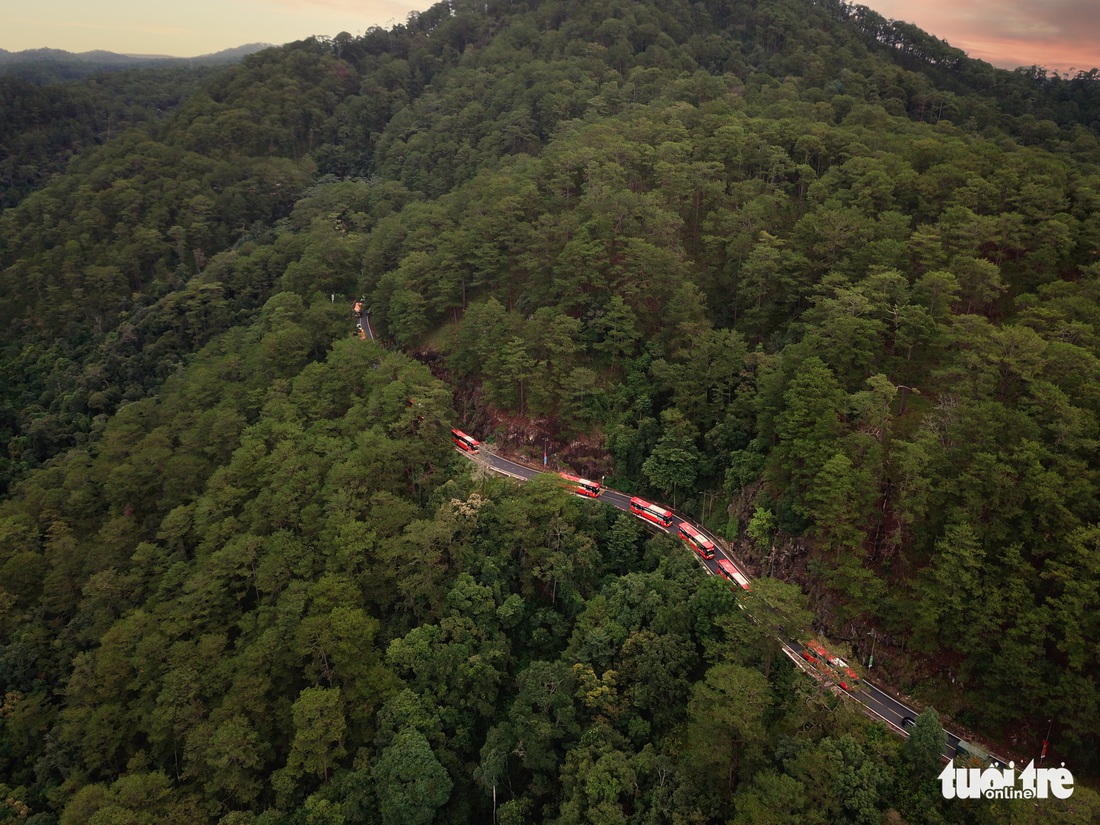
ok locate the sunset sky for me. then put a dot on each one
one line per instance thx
(1058, 34)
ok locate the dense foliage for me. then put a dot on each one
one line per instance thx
(811, 275)
(45, 126)
(274, 589)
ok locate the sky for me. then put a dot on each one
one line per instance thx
(186, 28)
(1057, 34)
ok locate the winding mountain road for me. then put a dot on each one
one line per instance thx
(874, 700)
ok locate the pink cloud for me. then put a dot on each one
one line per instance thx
(1057, 34)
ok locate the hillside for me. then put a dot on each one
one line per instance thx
(811, 276)
(45, 126)
(49, 66)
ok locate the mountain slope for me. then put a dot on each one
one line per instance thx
(746, 258)
(43, 66)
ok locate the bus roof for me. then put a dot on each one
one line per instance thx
(641, 502)
(817, 648)
(579, 480)
(730, 570)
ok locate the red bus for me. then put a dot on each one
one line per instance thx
(698, 542)
(651, 512)
(816, 654)
(813, 652)
(464, 442)
(582, 486)
(848, 679)
(728, 571)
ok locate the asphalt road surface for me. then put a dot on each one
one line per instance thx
(876, 701)
(364, 324)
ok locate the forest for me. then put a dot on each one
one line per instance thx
(812, 277)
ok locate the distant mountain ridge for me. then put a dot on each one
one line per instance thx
(49, 65)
